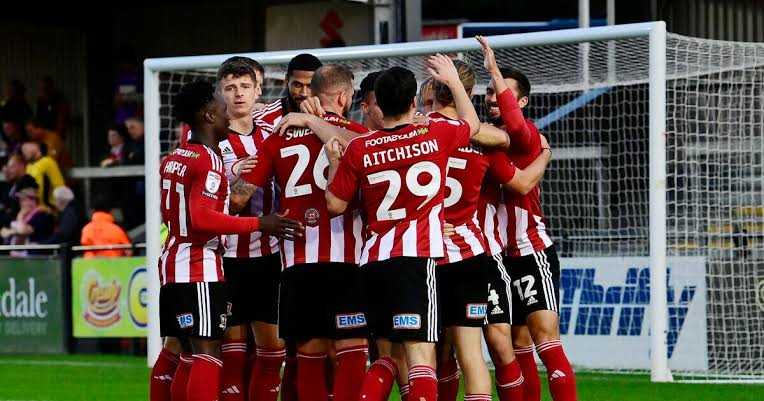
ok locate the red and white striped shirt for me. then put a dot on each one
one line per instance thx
(492, 212)
(297, 160)
(527, 230)
(193, 178)
(263, 202)
(270, 115)
(401, 173)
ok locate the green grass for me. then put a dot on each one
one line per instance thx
(119, 378)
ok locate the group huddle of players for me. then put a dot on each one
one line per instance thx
(415, 233)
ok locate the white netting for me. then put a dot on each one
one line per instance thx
(595, 193)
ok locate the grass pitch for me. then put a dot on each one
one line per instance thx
(121, 378)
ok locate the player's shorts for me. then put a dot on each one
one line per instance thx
(499, 308)
(253, 289)
(463, 288)
(402, 299)
(536, 282)
(193, 310)
(321, 300)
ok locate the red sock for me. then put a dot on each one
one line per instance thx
(351, 368)
(204, 381)
(509, 382)
(311, 377)
(423, 383)
(289, 380)
(532, 382)
(379, 380)
(266, 374)
(562, 380)
(234, 359)
(251, 360)
(448, 380)
(180, 380)
(161, 375)
(404, 391)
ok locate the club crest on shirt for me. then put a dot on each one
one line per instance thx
(212, 184)
(312, 215)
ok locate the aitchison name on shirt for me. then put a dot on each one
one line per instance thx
(400, 153)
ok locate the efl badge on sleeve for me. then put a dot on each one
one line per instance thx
(212, 184)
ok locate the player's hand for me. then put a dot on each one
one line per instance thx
(448, 230)
(312, 105)
(279, 226)
(334, 148)
(293, 120)
(442, 69)
(489, 58)
(244, 166)
(420, 119)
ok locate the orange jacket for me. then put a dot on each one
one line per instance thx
(103, 231)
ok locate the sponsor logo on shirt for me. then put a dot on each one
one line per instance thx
(407, 321)
(350, 321)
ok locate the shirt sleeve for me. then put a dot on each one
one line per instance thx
(264, 169)
(346, 179)
(512, 115)
(500, 167)
(203, 204)
(454, 133)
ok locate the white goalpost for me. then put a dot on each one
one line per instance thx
(658, 153)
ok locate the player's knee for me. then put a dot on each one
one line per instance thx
(544, 326)
(521, 337)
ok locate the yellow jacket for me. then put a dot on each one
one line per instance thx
(48, 176)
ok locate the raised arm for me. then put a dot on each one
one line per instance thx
(526, 179)
(511, 113)
(334, 204)
(491, 137)
(442, 69)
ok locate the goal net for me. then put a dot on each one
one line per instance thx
(591, 96)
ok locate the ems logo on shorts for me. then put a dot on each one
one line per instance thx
(407, 321)
(476, 311)
(350, 321)
(223, 320)
(212, 184)
(185, 320)
(311, 216)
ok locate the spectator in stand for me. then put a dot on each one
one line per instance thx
(45, 171)
(71, 219)
(102, 230)
(117, 139)
(14, 170)
(56, 147)
(33, 225)
(13, 136)
(14, 105)
(52, 107)
(133, 205)
(136, 132)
